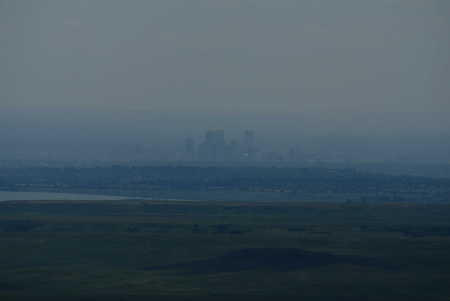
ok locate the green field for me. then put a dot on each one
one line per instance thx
(198, 250)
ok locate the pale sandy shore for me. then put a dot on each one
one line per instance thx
(41, 196)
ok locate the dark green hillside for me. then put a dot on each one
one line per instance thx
(195, 250)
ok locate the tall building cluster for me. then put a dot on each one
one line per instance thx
(214, 147)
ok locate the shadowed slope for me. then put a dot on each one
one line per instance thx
(279, 259)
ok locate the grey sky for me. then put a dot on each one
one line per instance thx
(129, 70)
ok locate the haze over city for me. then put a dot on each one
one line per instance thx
(335, 80)
(217, 150)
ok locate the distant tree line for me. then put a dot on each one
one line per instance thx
(293, 183)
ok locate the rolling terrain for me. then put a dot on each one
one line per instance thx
(206, 250)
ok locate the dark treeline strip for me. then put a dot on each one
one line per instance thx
(293, 183)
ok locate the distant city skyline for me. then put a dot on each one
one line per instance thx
(130, 80)
(236, 146)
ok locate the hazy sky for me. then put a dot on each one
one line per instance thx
(109, 72)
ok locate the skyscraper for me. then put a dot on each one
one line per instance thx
(213, 147)
(249, 147)
(189, 149)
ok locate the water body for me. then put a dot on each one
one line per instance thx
(42, 196)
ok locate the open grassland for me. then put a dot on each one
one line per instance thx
(196, 250)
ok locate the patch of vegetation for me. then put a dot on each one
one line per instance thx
(195, 250)
(230, 183)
